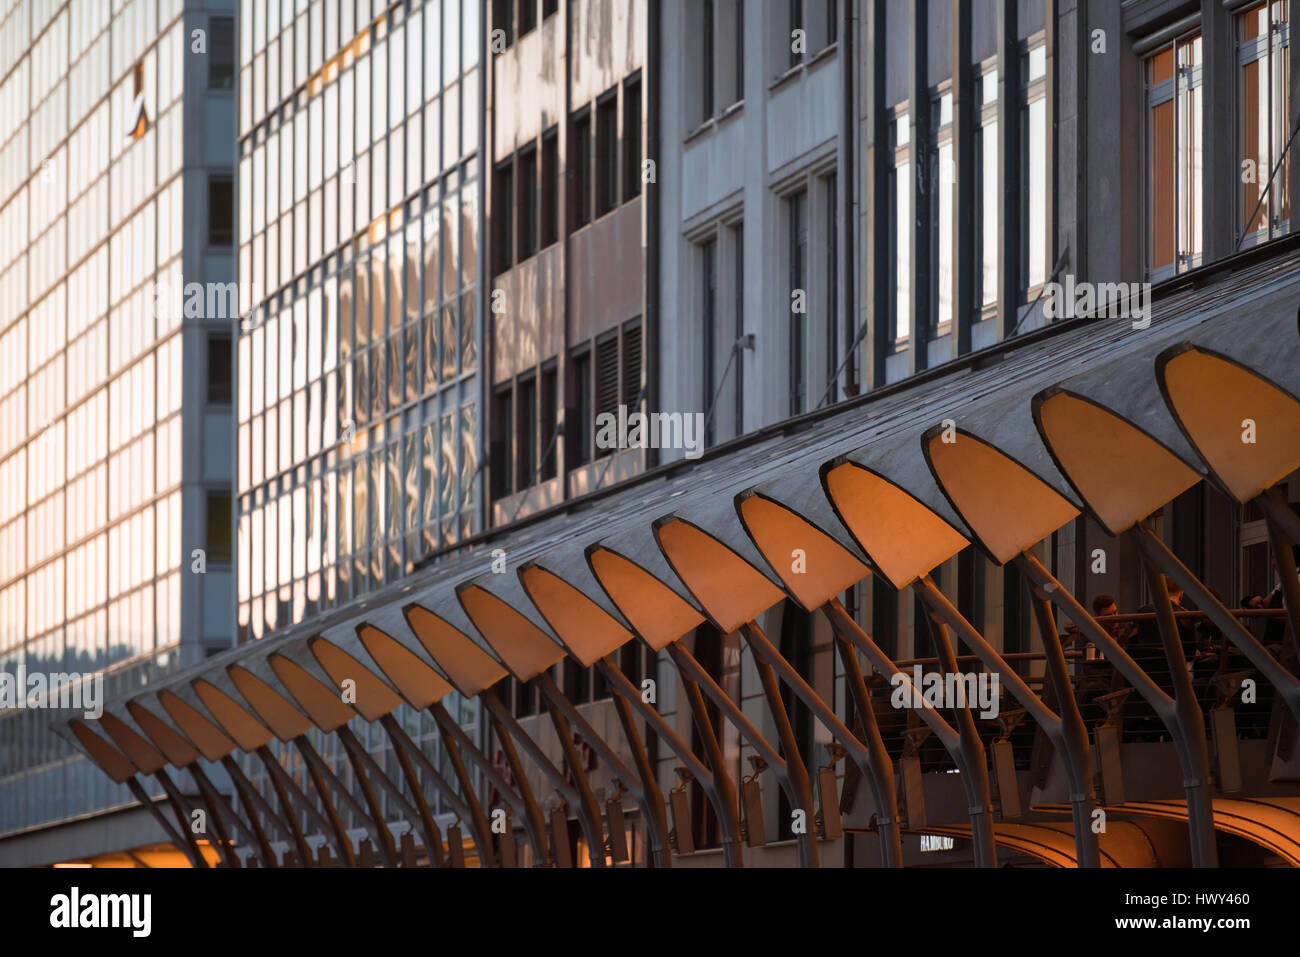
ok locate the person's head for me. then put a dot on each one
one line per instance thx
(1104, 604)
(1252, 601)
(1174, 590)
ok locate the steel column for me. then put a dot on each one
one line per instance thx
(796, 770)
(522, 801)
(860, 752)
(249, 798)
(589, 823)
(1075, 753)
(1074, 748)
(977, 765)
(656, 817)
(138, 792)
(428, 826)
(883, 786)
(319, 782)
(714, 779)
(659, 829)
(279, 778)
(1200, 805)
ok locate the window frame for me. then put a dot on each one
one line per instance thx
(1158, 94)
(1275, 42)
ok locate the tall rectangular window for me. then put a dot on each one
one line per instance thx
(987, 205)
(527, 225)
(527, 433)
(503, 19)
(220, 369)
(580, 159)
(527, 15)
(550, 207)
(1034, 210)
(632, 138)
(550, 420)
(708, 15)
(796, 23)
(1174, 157)
(503, 215)
(607, 154)
(943, 176)
(606, 371)
(221, 211)
(797, 212)
(738, 39)
(1263, 80)
(578, 418)
(218, 544)
(709, 329)
(503, 442)
(832, 244)
(901, 234)
(631, 348)
(221, 53)
(738, 293)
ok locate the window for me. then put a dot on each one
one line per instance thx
(606, 379)
(221, 211)
(527, 209)
(550, 420)
(632, 138)
(503, 462)
(943, 175)
(738, 293)
(632, 365)
(503, 214)
(709, 329)
(503, 19)
(218, 546)
(796, 23)
(831, 225)
(1173, 157)
(550, 209)
(738, 38)
(797, 213)
(527, 433)
(549, 7)
(527, 15)
(578, 418)
(901, 234)
(708, 14)
(1263, 80)
(1034, 212)
(220, 369)
(607, 154)
(580, 150)
(221, 53)
(986, 209)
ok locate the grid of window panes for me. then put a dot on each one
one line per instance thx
(358, 443)
(90, 379)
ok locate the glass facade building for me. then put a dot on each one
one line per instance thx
(359, 216)
(359, 257)
(115, 142)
